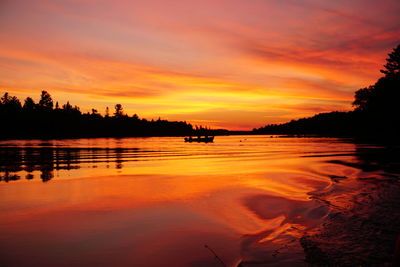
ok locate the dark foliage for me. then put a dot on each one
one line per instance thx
(376, 111)
(327, 124)
(392, 65)
(41, 120)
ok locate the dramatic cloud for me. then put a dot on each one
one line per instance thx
(235, 64)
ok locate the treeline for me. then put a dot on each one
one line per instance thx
(326, 124)
(376, 111)
(48, 120)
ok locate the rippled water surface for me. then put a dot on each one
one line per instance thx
(159, 201)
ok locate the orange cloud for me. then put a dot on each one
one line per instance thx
(226, 64)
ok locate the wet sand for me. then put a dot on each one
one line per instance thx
(361, 226)
(362, 229)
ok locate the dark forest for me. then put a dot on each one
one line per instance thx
(45, 120)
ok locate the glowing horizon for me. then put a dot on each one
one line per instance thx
(224, 64)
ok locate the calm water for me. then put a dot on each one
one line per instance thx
(159, 201)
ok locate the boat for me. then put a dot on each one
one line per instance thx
(205, 139)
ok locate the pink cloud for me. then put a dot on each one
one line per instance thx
(311, 54)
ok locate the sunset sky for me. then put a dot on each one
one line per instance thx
(229, 64)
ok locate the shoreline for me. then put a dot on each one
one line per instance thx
(362, 225)
(360, 231)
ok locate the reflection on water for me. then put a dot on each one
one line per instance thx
(41, 160)
(159, 201)
(16, 161)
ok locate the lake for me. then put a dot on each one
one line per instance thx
(164, 202)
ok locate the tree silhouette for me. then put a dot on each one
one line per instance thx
(42, 121)
(10, 103)
(46, 102)
(67, 106)
(376, 111)
(5, 98)
(392, 65)
(362, 98)
(118, 111)
(29, 104)
(382, 97)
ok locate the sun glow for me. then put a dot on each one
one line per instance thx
(191, 61)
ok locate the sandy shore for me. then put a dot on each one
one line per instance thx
(362, 225)
(361, 229)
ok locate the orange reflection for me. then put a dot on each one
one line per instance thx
(161, 196)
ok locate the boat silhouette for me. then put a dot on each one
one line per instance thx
(205, 139)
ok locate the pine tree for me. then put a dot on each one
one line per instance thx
(392, 65)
